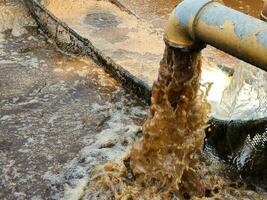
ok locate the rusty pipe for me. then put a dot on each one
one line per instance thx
(210, 22)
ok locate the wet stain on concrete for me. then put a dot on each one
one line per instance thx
(113, 35)
(102, 20)
(106, 25)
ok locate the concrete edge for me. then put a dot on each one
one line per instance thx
(70, 41)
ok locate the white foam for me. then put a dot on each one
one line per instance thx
(75, 193)
(106, 146)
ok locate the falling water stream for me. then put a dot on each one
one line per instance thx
(166, 158)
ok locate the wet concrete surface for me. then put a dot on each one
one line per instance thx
(249, 7)
(48, 112)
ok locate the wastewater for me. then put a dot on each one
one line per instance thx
(69, 130)
(52, 105)
(168, 161)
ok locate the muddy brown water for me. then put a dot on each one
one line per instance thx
(168, 162)
(165, 159)
(51, 106)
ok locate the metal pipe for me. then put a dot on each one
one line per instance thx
(208, 21)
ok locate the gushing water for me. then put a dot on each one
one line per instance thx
(166, 162)
(167, 156)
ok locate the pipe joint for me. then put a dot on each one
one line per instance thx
(180, 28)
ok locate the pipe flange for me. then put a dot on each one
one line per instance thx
(179, 31)
(195, 47)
